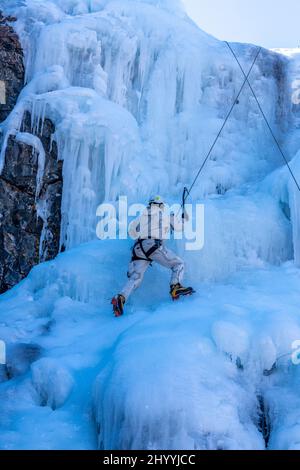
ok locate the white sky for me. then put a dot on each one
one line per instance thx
(270, 23)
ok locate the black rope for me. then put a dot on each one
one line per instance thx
(265, 118)
(188, 191)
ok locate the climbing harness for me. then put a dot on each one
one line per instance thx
(148, 253)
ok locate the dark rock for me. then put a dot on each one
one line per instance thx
(25, 237)
(11, 67)
(22, 174)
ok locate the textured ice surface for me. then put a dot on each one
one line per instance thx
(180, 376)
(137, 94)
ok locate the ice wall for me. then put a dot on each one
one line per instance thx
(138, 93)
(284, 183)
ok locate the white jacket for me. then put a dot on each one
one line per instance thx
(155, 223)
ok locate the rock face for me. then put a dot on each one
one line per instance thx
(11, 67)
(29, 222)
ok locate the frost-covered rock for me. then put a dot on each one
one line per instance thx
(11, 67)
(30, 201)
(30, 180)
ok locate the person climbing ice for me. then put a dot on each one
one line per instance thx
(150, 230)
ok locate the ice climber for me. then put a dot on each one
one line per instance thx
(150, 230)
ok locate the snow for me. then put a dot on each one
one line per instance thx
(166, 373)
(53, 384)
(137, 94)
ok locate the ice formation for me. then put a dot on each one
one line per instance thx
(131, 118)
(137, 93)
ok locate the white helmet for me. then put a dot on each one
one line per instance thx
(157, 200)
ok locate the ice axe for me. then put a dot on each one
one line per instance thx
(185, 195)
(268, 372)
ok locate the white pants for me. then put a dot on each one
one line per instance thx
(162, 256)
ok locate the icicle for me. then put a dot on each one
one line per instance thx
(37, 145)
(42, 212)
(3, 149)
(33, 106)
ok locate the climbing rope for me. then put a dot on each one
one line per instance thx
(187, 191)
(269, 372)
(265, 119)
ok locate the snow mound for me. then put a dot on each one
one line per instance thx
(52, 383)
(167, 374)
(207, 406)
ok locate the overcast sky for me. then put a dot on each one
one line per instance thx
(270, 23)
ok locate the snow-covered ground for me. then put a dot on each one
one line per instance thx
(137, 93)
(167, 373)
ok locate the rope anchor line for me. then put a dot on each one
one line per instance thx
(187, 191)
(286, 161)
